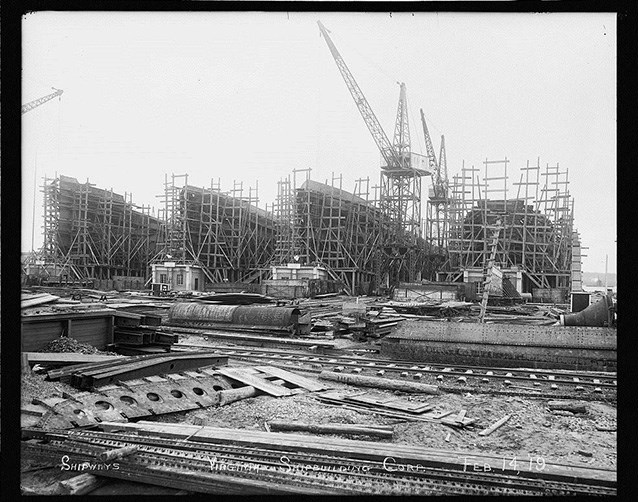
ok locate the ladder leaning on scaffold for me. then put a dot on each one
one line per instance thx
(488, 270)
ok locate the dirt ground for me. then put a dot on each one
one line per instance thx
(532, 430)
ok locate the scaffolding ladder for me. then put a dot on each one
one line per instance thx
(487, 270)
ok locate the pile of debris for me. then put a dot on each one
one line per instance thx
(66, 344)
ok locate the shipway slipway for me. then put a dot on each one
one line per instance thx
(199, 459)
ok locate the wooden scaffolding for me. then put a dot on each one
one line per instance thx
(92, 233)
(225, 233)
(538, 235)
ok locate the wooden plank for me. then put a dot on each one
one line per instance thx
(380, 383)
(332, 428)
(254, 381)
(292, 378)
(367, 408)
(441, 415)
(66, 358)
(26, 302)
(494, 426)
(394, 404)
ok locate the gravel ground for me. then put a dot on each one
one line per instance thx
(34, 385)
(531, 431)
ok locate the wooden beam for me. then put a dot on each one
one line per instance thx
(292, 378)
(494, 426)
(379, 383)
(254, 381)
(368, 430)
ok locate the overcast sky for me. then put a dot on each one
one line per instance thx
(251, 96)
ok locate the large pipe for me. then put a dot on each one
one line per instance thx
(600, 313)
(245, 315)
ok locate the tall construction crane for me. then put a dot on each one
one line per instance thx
(37, 102)
(439, 169)
(401, 169)
(439, 198)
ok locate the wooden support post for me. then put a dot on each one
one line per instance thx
(494, 426)
(26, 369)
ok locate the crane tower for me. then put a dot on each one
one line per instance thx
(401, 169)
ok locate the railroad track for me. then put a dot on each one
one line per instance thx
(249, 469)
(557, 383)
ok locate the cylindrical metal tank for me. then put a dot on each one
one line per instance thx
(200, 312)
(265, 316)
(244, 315)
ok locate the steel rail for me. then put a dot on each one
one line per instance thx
(541, 375)
(432, 480)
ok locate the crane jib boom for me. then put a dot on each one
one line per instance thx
(430, 149)
(37, 102)
(388, 152)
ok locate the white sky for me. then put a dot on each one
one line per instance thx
(252, 96)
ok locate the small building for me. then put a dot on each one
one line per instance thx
(178, 276)
(295, 280)
(298, 271)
